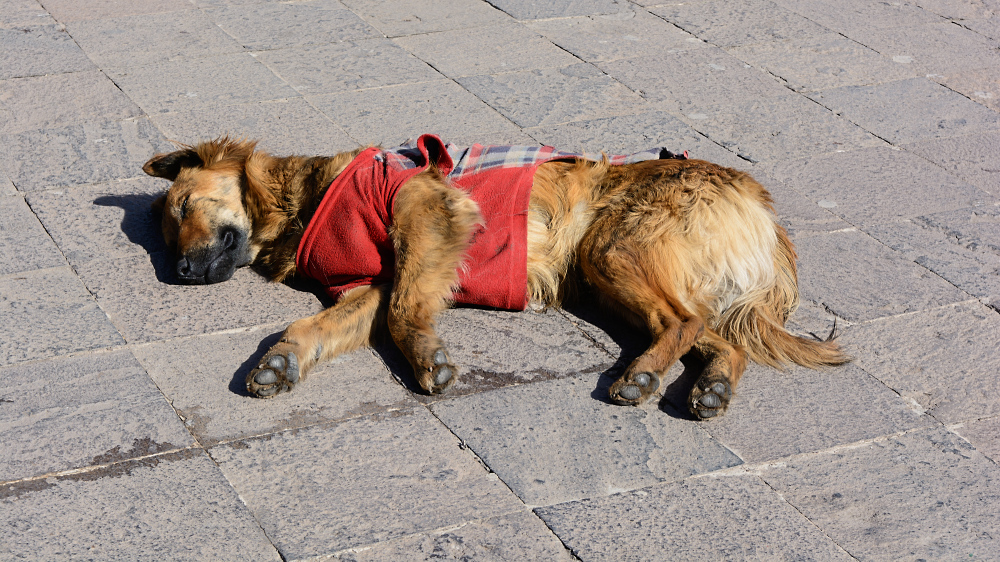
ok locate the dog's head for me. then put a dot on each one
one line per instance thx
(205, 220)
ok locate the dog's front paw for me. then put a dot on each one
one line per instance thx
(632, 389)
(709, 397)
(278, 372)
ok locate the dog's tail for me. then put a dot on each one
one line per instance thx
(756, 321)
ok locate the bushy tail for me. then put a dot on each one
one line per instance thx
(756, 321)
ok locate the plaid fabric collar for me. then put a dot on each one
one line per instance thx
(478, 158)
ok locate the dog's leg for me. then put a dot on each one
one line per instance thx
(433, 224)
(343, 327)
(617, 270)
(724, 365)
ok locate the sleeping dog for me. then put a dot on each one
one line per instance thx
(687, 249)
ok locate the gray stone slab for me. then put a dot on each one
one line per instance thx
(262, 27)
(351, 65)
(554, 95)
(980, 85)
(799, 215)
(320, 490)
(396, 18)
(76, 10)
(961, 246)
(131, 41)
(987, 26)
(494, 349)
(859, 279)
(877, 185)
(691, 80)
(508, 47)
(973, 158)
(38, 50)
(282, 127)
(626, 134)
(6, 188)
(107, 220)
(939, 48)
(533, 9)
(983, 434)
(823, 61)
(943, 359)
(778, 128)
(200, 83)
(779, 414)
(57, 100)
(49, 312)
(142, 302)
(24, 13)
(512, 136)
(517, 536)
(930, 110)
(560, 440)
(175, 506)
(203, 378)
(390, 116)
(24, 244)
(851, 17)
(924, 495)
(727, 24)
(77, 412)
(958, 9)
(731, 517)
(616, 36)
(90, 152)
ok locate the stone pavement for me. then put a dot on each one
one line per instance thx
(125, 432)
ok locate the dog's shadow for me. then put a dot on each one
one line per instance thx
(632, 341)
(142, 227)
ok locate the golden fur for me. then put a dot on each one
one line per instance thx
(688, 249)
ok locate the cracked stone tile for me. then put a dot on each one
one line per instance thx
(77, 10)
(853, 17)
(22, 13)
(973, 158)
(941, 359)
(267, 26)
(859, 279)
(204, 379)
(24, 244)
(495, 349)
(877, 185)
(38, 50)
(397, 18)
(351, 65)
(137, 40)
(962, 246)
(282, 127)
(923, 495)
(727, 24)
(90, 152)
(81, 411)
(936, 48)
(170, 506)
(726, 517)
(777, 414)
(980, 85)
(823, 61)
(320, 490)
(983, 434)
(49, 312)
(554, 95)
(508, 47)
(931, 111)
(534, 9)
(57, 100)
(561, 440)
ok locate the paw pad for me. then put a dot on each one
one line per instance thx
(276, 374)
(632, 389)
(710, 398)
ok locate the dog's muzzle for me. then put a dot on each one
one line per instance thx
(215, 263)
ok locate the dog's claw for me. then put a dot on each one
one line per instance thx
(276, 374)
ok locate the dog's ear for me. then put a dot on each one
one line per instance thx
(169, 165)
(158, 204)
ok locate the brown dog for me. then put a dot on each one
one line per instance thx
(688, 249)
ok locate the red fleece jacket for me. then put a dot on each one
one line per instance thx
(347, 244)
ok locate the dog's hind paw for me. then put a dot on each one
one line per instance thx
(709, 398)
(441, 375)
(278, 372)
(632, 389)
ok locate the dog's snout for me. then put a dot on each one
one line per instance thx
(184, 272)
